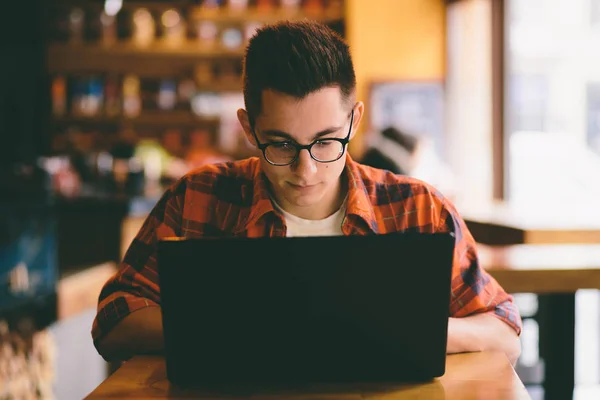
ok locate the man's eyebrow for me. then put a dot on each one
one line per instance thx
(274, 133)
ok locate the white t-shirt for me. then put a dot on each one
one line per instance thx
(330, 226)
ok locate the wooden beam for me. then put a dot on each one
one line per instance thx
(498, 88)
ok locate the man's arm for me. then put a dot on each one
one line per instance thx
(140, 332)
(483, 315)
(480, 332)
(129, 319)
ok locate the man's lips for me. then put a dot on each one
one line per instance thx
(301, 186)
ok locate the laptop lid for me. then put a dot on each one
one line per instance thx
(311, 309)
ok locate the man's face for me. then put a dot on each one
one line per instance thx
(306, 188)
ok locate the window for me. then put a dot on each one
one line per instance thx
(593, 116)
(552, 101)
(595, 13)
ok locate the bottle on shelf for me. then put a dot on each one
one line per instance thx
(92, 99)
(132, 102)
(144, 28)
(174, 27)
(109, 29)
(77, 91)
(167, 95)
(185, 92)
(76, 25)
(237, 5)
(265, 6)
(59, 96)
(112, 105)
(206, 104)
(207, 32)
(232, 38)
(314, 7)
(290, 6)
(209, 6)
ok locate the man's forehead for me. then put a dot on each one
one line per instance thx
(323, 105)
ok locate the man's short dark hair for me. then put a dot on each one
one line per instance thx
(295, 58)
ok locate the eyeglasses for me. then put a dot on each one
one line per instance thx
(322, 150)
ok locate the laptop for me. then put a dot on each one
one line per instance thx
(305, 310)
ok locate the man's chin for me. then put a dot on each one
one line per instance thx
(307, 200)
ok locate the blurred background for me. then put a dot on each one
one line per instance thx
(103, 103)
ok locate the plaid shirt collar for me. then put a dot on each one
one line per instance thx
(358, 205)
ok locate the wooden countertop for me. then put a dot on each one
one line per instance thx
(524, 268)
(481, 376)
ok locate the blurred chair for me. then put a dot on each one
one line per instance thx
(406, 154)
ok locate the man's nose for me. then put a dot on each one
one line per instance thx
(305, 165)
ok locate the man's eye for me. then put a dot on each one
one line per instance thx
(323, 143)
(282, 145)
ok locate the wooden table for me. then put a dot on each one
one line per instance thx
(496, 232)
(501, 224)
(543, 268)
(478, 376)
(555, 273)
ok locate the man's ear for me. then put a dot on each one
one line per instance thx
(245, 123)
(359, 112)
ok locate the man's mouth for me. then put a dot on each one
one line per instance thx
(302, 187)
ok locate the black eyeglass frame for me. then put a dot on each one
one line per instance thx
(299, 147)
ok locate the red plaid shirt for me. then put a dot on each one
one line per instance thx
(232, 199)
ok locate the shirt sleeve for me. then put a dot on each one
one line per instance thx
(135, 285)
(473, 290)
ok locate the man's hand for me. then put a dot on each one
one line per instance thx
(141, 332)
(482, 332)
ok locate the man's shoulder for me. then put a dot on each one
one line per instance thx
(241, 169)
(240, 172)
(410, 202)
(220, 179)
(379, 180)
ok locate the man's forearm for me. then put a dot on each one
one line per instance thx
(141, 332)
(482, 332)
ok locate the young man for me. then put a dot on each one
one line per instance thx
(301, 112)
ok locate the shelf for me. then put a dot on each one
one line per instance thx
(219, 15)
(228, 86)
(127, 5)
(170, 118)
(159, 59)
(224, 15)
